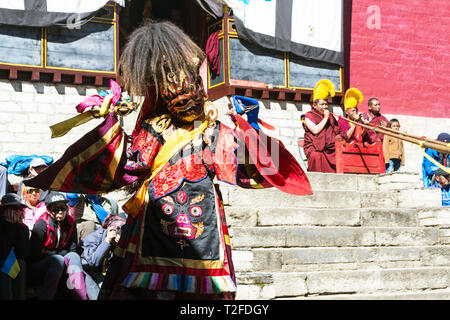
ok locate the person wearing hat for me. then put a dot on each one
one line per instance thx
(321, 128)
(14, 248)
(37, 165)
(53, 245)
(99, 245)
(428, 167)
(442, 180)
(353, 133)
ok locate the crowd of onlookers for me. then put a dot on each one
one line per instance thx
(55, 245)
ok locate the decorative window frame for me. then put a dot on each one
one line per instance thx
(260, 90)
(45, 73)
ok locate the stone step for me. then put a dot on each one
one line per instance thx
(399, 181)
(337, 182)
(438, 216)
(420, 198)
(389, 217)
(339, 258)
(342, 182)
(414, 198)
(302, 236)
(263, 198)
(437, 294)
(252, 217)
(273, 285)
(363, 182)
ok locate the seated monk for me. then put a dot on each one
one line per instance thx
(349, 131)
(321, 128)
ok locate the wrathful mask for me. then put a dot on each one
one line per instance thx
(184, 96)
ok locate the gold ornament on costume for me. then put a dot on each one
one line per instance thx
(161, 123)
(200, 228)
(211, 111)
(197, 199)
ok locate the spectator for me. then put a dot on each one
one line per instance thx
(321, 129)
(3, 181)
(353, 133)
(393, 151)
(53, 243)
(14, 248)
(428, 167)
(37, 165)
(375, 119)
(35, 208)
(99, 245)
(89, 211)
(442, 180)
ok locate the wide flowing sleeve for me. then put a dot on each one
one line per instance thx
(264, 162)
(95, 163)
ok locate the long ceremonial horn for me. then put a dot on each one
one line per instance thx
(422, 141)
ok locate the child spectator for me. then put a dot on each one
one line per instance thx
(393, 151)
(14, 248)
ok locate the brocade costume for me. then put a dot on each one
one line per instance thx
(175, 243)
(179, 240)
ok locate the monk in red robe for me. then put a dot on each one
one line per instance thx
(375, 119)
(321, 128)
(351, 132)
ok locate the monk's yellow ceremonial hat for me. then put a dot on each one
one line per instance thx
(352, 97)
(323, 88)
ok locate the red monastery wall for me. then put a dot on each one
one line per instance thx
(400, 53)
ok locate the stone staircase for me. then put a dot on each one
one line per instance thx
(356, 237)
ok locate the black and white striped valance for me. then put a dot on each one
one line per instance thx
(312, 29)
(44, 13)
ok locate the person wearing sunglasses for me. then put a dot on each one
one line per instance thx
(37, 165)
(35, 207)
(53, 245)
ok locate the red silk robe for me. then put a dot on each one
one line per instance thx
(320, 149)
(379, 120)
